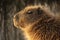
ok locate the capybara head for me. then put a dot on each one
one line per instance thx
(38, 23)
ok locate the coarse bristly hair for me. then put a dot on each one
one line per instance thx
(39, 21)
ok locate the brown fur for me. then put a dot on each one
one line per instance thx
(38, 23)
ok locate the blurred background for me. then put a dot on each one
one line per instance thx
(7, 10)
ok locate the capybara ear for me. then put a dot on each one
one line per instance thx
(39, 11)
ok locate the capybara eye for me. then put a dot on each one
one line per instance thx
(30, 12)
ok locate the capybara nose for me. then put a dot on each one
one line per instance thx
(16, 17)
